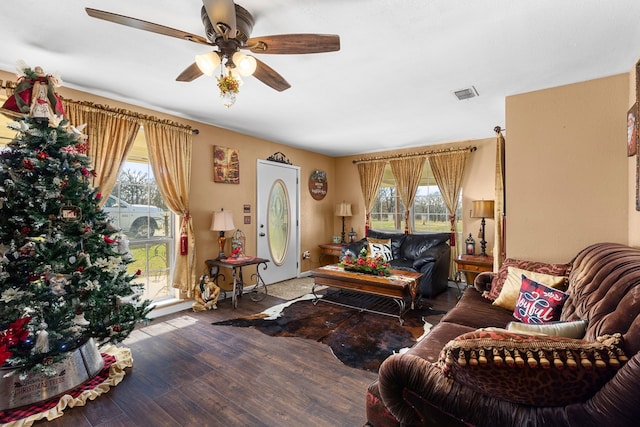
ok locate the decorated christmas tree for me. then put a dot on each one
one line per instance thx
(63, 263)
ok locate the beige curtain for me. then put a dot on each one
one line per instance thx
(111, 135)
(448, 171)
(170, 154)
(500, 216)
(407, 172)
(370, 180)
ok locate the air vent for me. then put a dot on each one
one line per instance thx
(467, 93)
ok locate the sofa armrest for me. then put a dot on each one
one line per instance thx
(402, 372)
(419, 263)
(483, 280)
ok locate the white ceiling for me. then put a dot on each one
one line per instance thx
(390, 85)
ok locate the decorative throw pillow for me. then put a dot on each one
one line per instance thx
(530, 369)
(513, 282)
(575, 329)
(538, 303)
(537, 267)
(380, 247)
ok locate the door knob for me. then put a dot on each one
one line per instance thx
(261, 234)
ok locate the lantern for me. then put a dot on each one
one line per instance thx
(238, 241)
(471, 245)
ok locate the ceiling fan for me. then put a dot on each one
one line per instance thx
(228, 28)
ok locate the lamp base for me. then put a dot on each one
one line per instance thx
(483, 243)
(221, 241)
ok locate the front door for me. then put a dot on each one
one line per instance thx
(277, 220)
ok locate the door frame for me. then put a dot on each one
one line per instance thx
(295, 207)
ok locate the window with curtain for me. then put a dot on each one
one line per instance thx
(137, 207)
(428, 213)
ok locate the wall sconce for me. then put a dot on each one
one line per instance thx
(222, 221)
(482, 209)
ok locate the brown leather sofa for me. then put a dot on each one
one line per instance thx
(428, 387)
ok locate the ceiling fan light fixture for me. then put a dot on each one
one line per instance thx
(208, 62)
(245, 64)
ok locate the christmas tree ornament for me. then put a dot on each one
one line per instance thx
(57, 284)
(79, 318)
(42, 339)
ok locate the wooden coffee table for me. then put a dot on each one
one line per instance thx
(397, 289)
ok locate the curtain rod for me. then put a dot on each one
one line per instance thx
(417, 154)
(9, 86)
(132, 114)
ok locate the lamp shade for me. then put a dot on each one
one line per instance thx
(208, 62)
(245, 64)
(222, 221)
(343, 209)
(482, 209)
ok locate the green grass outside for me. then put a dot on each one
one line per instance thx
(419, 226)
(157, 255)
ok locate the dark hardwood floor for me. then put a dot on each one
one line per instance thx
(189, 373)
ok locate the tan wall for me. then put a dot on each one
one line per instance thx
(567, 169)
(569, 182)
(478, 184)
(634, 214)
(317, 219)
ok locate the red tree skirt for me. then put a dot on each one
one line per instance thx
(116, 359)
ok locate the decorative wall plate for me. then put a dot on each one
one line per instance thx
(318, 184)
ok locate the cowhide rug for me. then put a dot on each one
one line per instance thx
(359, 339)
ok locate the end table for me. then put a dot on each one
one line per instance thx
(471, 266)
(330, 249)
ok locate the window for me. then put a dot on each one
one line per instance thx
(137, 208)
(428, 213)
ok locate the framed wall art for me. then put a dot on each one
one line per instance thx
(632, 130)
(635, 106)
(226, 165)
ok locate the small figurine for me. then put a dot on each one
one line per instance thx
(57, 284)
(207, 294)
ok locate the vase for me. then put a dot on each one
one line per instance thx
(80, 365)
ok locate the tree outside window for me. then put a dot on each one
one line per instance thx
(428, 213)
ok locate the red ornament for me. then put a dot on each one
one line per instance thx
(42, 155)
(27, 164)
(25, 230)
(138, 272)
(109, 240)
(98, 196)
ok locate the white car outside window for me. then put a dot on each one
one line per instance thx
(137, 221)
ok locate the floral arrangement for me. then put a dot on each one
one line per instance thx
(377, 265)
(228, 84)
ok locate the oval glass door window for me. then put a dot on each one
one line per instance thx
(278, 222)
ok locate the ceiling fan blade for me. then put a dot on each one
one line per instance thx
(146, 26)
(294, 43)
(270, 77)
(222, 12)
(190, 73)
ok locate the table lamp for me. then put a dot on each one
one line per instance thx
(482, 209)
(343, 210)
(222, 221)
